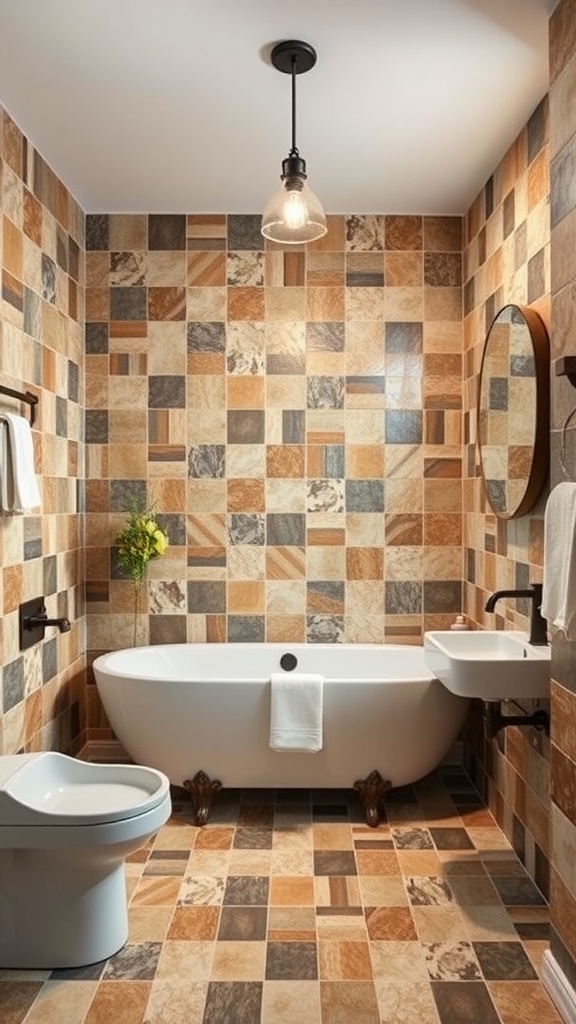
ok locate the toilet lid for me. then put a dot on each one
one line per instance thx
(51, 788)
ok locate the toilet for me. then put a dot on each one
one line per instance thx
(66, 827)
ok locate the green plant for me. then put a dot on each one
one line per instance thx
(140, 540)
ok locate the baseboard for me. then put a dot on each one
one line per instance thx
(110, 751)
(558, 988)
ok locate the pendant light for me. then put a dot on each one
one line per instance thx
(294, 214)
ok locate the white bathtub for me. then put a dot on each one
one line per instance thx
(185, 708)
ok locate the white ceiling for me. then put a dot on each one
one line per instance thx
(173, 106)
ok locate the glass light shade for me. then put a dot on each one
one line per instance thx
(294, 214)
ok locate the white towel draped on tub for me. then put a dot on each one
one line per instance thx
(559, 588)
(296, 712)
(18, 483)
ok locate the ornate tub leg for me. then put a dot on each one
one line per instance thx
(202, 789)
(370, 791)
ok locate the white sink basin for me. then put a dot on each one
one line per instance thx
(490, 664)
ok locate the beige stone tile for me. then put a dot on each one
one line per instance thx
(239, 961)
(398, 961)
(382, 892)
(294, 924)
(179, 959)
(59, 1003)
(250, 862)
(291, 862)
(344, 1001)
(175, 1000)
(489, 839)
(148, 924)
(279, 999)
(332, 837)
(439, 924)
(404, 1002)
(292, 838)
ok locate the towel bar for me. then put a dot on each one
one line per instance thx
(23, 396)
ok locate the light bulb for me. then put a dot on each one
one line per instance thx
(295, 209)
(294, 214)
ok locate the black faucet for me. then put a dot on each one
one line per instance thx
(538, 625)
(41, 621)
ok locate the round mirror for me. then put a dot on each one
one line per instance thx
(514, 410)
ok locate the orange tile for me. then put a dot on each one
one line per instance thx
(364, 563)
(209, 364)
(403, 269)
(291, 891)
(317, 536)
(245, 495)
(156, 891)
(379, 862)
(207, 268)
(334, 240)
(194, 923)
(285, 629)
(538, 178)
(32, 214)
(325, 304)
(442, 528)
(245, 392)
(13, 144)
(12, 587)
(512, 998)
(246, 303)
(167, 303)
(214, 837)
(403, 232)
(124, 1002)
(344, 960)
(285, 460)
(246, 598)
(391, 924)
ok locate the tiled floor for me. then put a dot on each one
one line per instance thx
(287, 909)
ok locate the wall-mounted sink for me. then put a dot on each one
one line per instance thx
(490, 664)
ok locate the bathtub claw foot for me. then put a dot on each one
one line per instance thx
(202, 789)
(370, 791)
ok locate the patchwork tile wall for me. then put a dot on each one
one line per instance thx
(294, 416)
(507, 260)
(563, 274)
(41, 351)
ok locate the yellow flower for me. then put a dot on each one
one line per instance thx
(160, 541)
(141, 540)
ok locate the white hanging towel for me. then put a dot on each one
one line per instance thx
(19, 486)
(4, 467)
(559, 581)
(296, 712)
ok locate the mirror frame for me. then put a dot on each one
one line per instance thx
(541, 445)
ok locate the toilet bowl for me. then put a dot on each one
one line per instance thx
(66, 827)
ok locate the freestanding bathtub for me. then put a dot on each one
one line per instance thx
(204, 709)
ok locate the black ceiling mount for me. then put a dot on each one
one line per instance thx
(292, 56)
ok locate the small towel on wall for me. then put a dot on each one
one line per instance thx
(559, 583)
(18, 484)
(296, 712)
